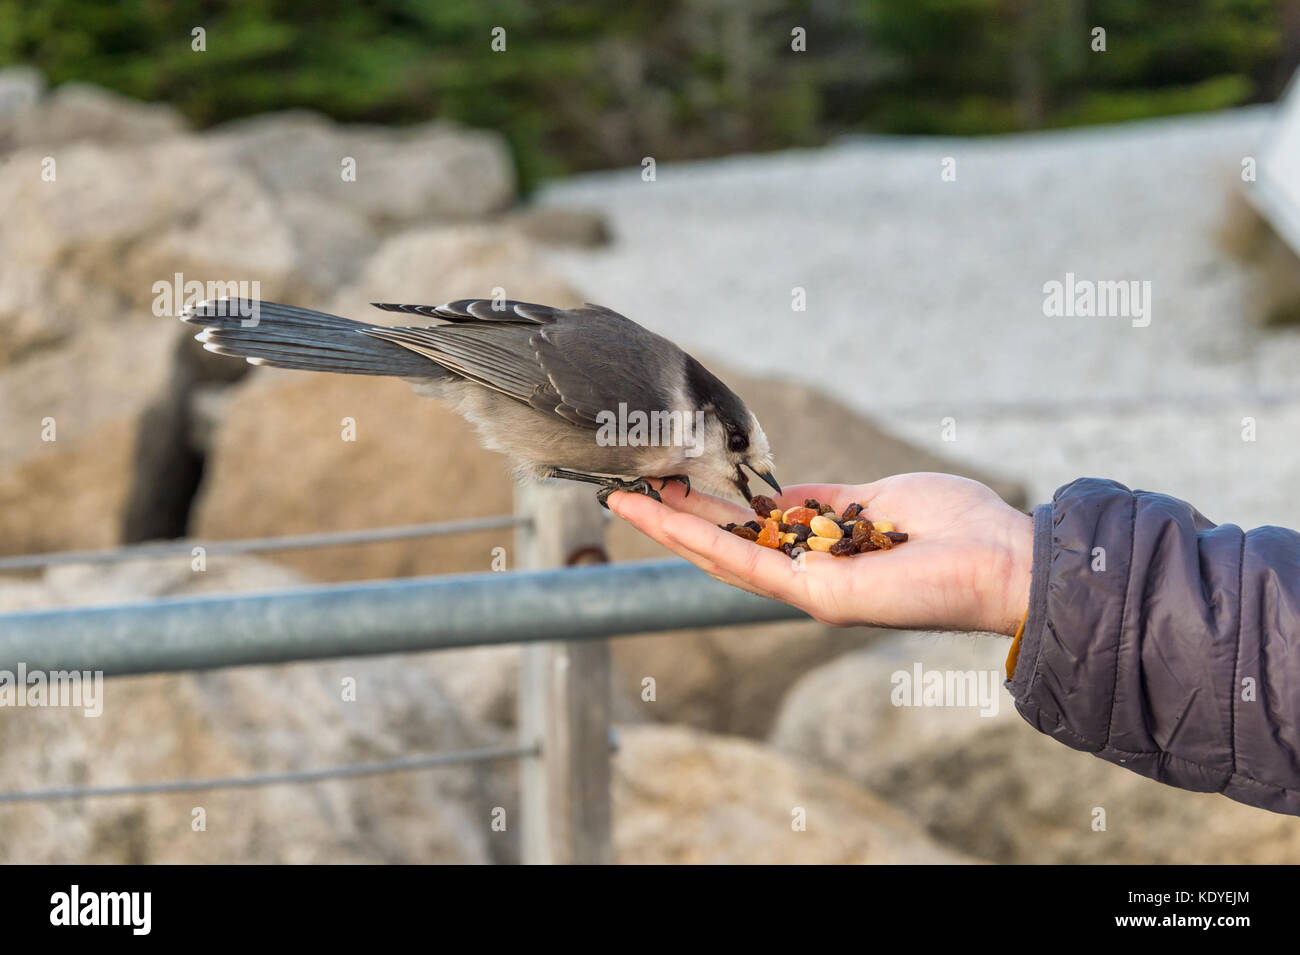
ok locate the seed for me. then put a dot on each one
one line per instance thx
(748, 533)
(799, 515)
(769, 536)
(819, 543)
(825, 527)
(851, 512)
(884, 526)
(763, 505)
(898, 537)
(843, 547)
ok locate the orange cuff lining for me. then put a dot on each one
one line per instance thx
(1013, 655)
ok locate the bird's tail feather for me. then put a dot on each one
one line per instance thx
(286, 336)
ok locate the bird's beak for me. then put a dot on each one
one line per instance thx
(742, 485)
(768, 478)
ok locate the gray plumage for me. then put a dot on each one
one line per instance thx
(533, 379)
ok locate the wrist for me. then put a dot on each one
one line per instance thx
(1013, 571)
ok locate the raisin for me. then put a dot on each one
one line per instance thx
(786, 548)
(763, 505)
(812, 503)
(745, 531)
(754, 526)
(827, 510)
(851, 512)
(866, 547)
(881, 541)
(898, 537)
(843, 547)
(862, 531)
(802, 532)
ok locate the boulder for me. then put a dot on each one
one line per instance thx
(996, 788)
(76, 112)
(430, 173)
(682, 796)
(245, 721)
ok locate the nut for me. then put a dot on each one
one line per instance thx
(823, 526)
(819, 543)
(884, 526)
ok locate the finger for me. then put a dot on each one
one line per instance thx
(649, 517)
(716, 510)
(762, 569)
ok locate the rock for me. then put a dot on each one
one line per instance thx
(995, 787)
(681, 796)
(76, 112)
(243, 721)
(434, 172)
(557, 225)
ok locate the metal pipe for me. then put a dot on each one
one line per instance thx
(249, 545)
(391, 616)
(404, 764)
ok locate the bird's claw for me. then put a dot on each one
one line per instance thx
(639, 486)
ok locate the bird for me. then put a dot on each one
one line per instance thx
(579, 394)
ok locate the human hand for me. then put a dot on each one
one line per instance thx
(965, 566)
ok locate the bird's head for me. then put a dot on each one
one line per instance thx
(732, 440)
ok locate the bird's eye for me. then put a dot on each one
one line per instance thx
(737, 441)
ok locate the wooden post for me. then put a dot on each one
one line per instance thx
(564, 694)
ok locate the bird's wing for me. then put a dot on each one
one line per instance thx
(572, 363)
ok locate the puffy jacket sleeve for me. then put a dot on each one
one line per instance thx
(1165, 643)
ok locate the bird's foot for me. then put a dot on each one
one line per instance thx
(682, 479)
(639, 486)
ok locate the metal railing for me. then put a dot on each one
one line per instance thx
(560, 614)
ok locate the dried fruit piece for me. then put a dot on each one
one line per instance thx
(862, 531)
(819, 543)
(866, 547)
(812, 503)
(754, 526)
(823, 526)
(786, 548)
(769, 536)
(843, 547)
(884, 526)
(898, 537)
(799, 515)
(763, 505)
(788, 538)
(828, 510)
(801, 531)
(880, 540)
(851, 512)
(748, 533)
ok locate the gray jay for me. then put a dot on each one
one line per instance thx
(582, 394)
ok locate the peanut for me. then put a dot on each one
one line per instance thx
(823, 526)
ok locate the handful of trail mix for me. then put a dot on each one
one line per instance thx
(814, 526)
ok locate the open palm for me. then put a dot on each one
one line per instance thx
(965, 565)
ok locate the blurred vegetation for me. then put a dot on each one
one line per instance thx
(591, 83)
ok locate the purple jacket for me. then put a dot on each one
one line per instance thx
(1165, 643)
